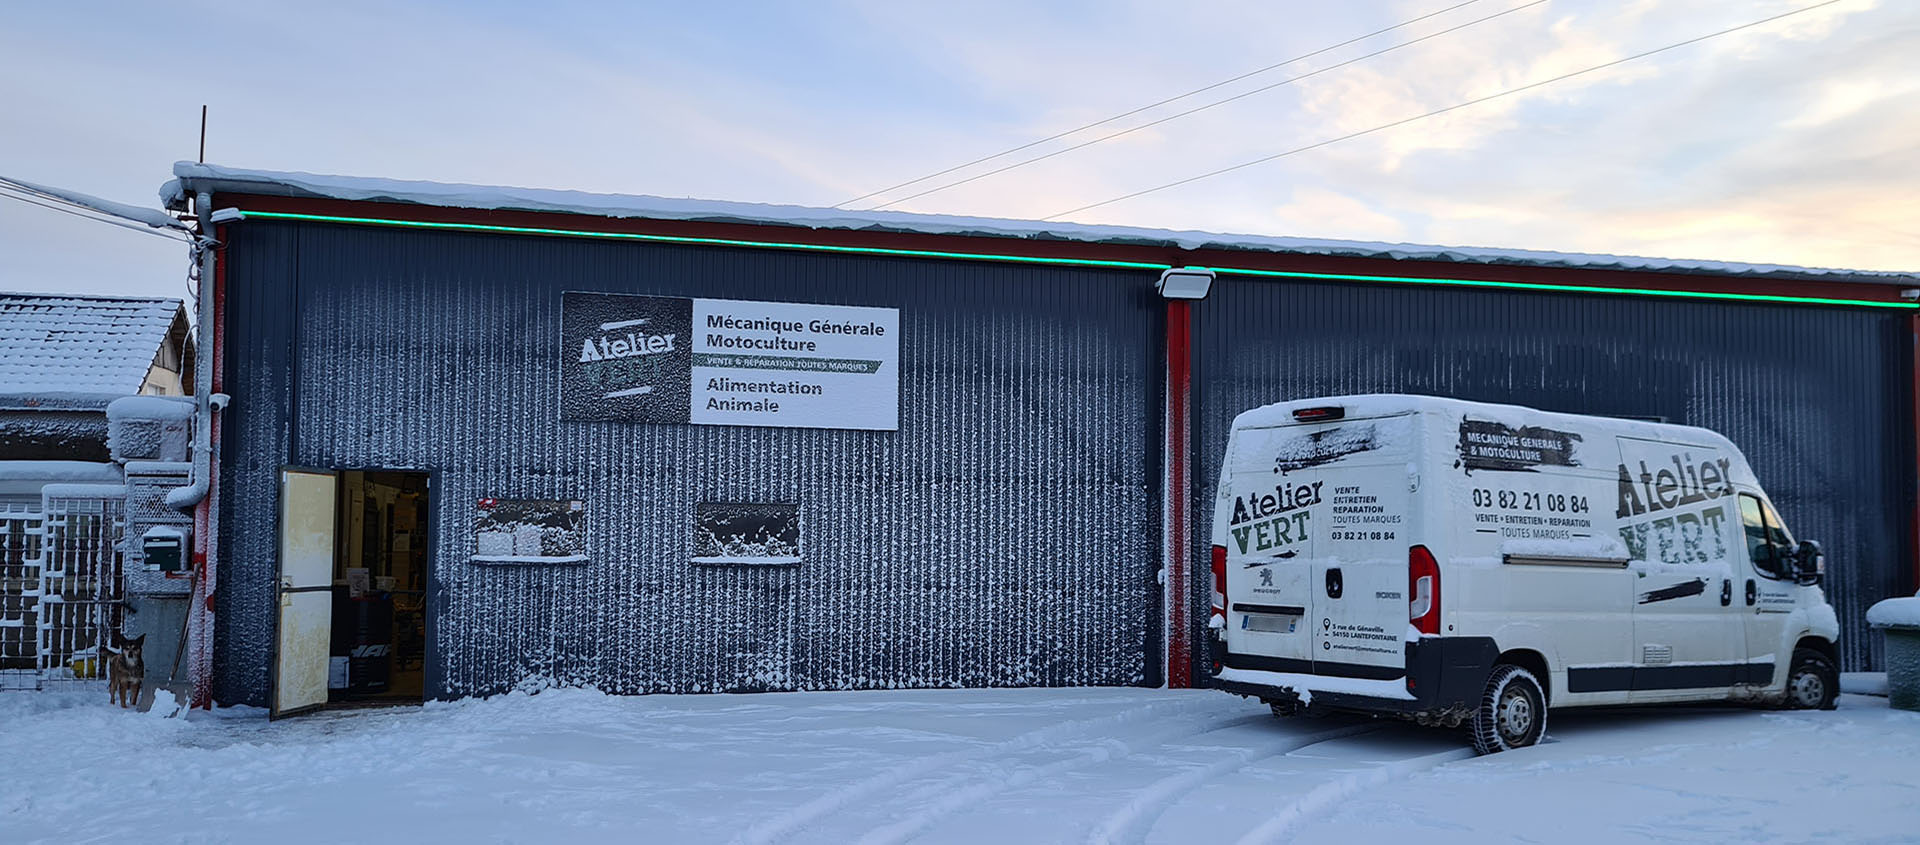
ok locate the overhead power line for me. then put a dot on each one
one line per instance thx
(1176, 98)
(1220, 102)
(34, 199)
(88, 202)
(1473, 102)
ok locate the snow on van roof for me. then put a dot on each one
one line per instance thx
(1386, 404)
(191, 177)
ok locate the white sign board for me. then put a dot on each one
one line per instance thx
(785, 364)
(729, 362)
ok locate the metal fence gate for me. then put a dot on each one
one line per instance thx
(61, 589)
(20, 533)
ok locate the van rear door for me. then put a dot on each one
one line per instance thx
(1318, 523)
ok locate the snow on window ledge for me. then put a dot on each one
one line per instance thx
(525, 560)
(785, 560)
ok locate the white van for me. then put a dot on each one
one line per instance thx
(1457, 563)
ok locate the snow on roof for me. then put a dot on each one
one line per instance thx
(1367, 405)
(78, 344)
(192, 177)
(68, 472)
(151, 408)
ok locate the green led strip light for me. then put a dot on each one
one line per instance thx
(1474, 283)
(1076, 262)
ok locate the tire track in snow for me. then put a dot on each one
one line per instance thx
(1106, 749)
(1133, 819)
(792, 821)
(1318, 799)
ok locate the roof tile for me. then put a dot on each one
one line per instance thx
(65, 343)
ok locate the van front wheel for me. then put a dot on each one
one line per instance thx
(1512, 713)
(1812, 682)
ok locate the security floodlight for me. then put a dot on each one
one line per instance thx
(228, 215)
(1185, 283)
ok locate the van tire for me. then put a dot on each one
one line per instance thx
(1812, 682)
(1512, 714)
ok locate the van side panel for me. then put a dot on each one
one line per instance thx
(1534, 559)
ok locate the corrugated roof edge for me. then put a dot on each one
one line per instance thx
(14, 400)
(192, 177)
(98, 297)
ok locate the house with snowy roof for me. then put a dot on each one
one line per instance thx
(63, 359)
(93, 431)
(55, 345)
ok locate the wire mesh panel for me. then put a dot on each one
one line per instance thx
(20, 533)
(81, 599)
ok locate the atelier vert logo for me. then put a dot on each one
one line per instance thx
(1679, 482)
(636, 342)
(1669, 501)
(628, 357)
(1264, 521)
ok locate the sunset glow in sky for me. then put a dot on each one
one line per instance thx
(1792, 143)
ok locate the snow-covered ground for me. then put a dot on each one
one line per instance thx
(993, 766)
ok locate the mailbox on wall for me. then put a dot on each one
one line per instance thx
(164, 547)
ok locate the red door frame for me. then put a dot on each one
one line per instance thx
(1177, 488)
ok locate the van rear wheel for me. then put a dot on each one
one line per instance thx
(1512, 712)
(1812, 682)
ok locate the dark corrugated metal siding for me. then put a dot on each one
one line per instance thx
(1819, 399)
(254, 436)
(1005, 535)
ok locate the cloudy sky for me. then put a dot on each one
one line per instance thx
(1797, 142)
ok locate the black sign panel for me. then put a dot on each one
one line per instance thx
(625, 357)
(1485, 444)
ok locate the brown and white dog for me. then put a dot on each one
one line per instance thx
(125, 670)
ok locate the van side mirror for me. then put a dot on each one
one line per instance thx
(1809, 562)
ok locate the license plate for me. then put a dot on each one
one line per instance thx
(1268, 623)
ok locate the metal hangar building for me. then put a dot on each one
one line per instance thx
(490, 437)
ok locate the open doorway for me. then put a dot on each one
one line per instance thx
(379, 633)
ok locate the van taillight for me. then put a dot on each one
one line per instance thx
(1332, 412)
(1219, 619)
(1423, 590)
